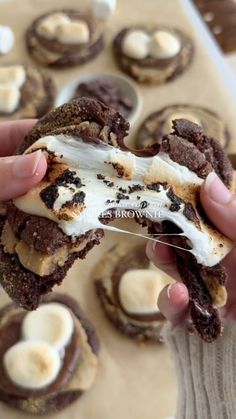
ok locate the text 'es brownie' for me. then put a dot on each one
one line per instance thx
(92, 178)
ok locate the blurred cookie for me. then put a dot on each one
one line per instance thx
(152, 54)
(220, 17)
(64, 38)
(107, 92)
(48, 358)
(159, 123)
(25, 92)
(128, 290)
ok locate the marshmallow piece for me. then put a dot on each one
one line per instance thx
(7, 39)
(102, 9)
(136, 44)
(181, 115)
(47, 27)
(76, 32)
(164, 44)
(9, 98)
(139, 290)
(51, 323)
(32, 365)
(14, 75)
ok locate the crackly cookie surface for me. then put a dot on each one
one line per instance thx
(159, 123)
(128, 289)
(92, 178)
(153, 54)
(58, 337)
(63, 38)
(25, 92)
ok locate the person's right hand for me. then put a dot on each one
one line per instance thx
(220, 206)
(18, 174)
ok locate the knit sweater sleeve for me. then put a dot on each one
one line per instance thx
(206, 373)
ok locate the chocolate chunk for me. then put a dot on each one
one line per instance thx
(78, 198)
(135, 188)
(49, 195)
(107, 92)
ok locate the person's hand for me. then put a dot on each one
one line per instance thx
(18, 174)
(220, 206)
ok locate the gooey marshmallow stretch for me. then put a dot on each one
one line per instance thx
(107, 179)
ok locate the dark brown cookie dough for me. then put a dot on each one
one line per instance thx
(151, 69)
(80, 359)
(159, 123)
(107, 92)
(53, 53)
(108, 275)
(37, 96)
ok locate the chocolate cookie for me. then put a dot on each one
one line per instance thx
(92, 178)
(220, 17)
(107, 92)
(25, 92)
(57, 337)
(159, 123)
(153, 54)
(64, 38)
(128, 289)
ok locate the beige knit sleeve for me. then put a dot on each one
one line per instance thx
(206, 373)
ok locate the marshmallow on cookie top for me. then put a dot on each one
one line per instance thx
(161, 44)
(59, 27)
(12, 78)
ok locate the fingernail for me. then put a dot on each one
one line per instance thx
(168, 290)
(154, 246)
(26, 166)
(216, 190)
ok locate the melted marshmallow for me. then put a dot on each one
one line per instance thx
(89, 160)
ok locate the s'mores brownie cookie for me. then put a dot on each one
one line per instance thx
(93, 178)
(64, 38)
(48, 357)
(153, 54)
(159, 123)
(25, 92)
(128, 288)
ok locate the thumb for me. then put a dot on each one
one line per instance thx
(220, 205)
(18, 174)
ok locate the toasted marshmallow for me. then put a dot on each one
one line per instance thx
(102, 9)
(13, 74)
(9, 98)
(47, 26)
(7, 39)
(95, 198)
(139, 290)
(76, 32)
(164, 44)
(136, 44)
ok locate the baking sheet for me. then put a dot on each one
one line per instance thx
(134, 381)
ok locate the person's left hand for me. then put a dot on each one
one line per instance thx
(18, 174)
